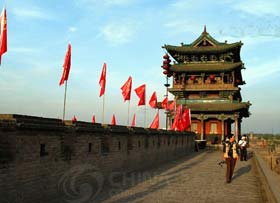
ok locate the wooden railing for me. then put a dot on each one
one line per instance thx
(204, 86)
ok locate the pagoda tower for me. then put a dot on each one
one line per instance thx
(207, 78)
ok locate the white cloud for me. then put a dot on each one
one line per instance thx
(248, 40)
(106, 3)
(259, 7)
(184, 26)
(183, 5)
(119, 33)
(118, 2)
(265, 21)
(21, 50)
(259, 73)
(72, 29)
(31, 12)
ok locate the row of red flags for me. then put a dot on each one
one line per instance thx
(182, 119)
(140, 92)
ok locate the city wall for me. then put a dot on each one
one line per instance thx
(47, 160)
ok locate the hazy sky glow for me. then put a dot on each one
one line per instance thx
(128, 35)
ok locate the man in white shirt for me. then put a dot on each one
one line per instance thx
(243, 148)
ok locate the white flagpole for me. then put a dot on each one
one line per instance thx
(145, 115)
(64, 100)
(103, 109)
(128, 113)
(145, 108)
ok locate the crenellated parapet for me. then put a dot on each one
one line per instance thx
(41, 152)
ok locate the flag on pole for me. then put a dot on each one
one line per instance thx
(186, 119)
(177, 120)
(93, 119)
(113, 122)
(133, 121)
(141, 93)
(164, 103)
(74, 119)
(3, 33)
(155, 123)
(171, 106)
(66, 65)
(153, 100)
(126, 89)
(102, 80)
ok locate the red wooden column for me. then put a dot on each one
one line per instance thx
(236, 126)
(201, 117)
(222, 119)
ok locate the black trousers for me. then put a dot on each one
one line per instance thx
(243, 155)
(230, 168)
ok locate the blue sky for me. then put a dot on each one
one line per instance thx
(128, 35)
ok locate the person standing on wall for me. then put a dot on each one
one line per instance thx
(230, 156)
(243, 148)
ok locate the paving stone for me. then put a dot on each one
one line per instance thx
(196, 178)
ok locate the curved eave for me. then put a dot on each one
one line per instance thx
(187, 49)
(242, 107)
(205, 67)
(179, 90)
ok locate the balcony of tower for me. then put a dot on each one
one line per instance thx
(202, 84)
(203, 87)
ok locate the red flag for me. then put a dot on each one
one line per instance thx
(126, 89)
(164, 103)
(141, 93)
(66, 65)
(74, 119)
(113, 122)
(93, 119)
(177, 120)
(102, 80)
(133, 121)
(3, 33)
(171, 106)
(155, 123)
(153, 100)
(186, 119)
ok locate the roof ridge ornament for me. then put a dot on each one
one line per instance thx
(204, 30)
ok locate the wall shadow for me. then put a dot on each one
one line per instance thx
(160, 173)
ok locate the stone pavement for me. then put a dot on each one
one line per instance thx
(196, 178)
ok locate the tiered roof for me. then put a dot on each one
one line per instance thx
(190, 49)
(204, 44)
(221, 107)
(200, 67)
(209, 56)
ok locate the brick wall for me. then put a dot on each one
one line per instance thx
(47, 160)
